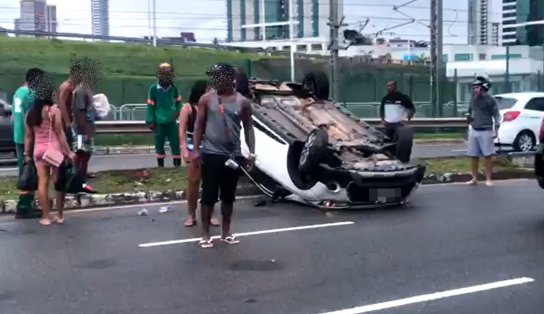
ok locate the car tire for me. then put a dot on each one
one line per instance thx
(318, 84)
(525, 141)
(314, 150)
(404, 139)
(242, 82)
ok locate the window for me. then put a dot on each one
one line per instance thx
(463, 57)
(505, 102)
(536, 104)
(481, 56)
(511, 14)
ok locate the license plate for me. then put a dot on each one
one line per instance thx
(385, 195)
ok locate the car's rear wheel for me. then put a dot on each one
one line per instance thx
(315, 148)
(404, 139)
(318, 84)
(525, 141)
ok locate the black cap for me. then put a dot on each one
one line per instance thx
(221, 69)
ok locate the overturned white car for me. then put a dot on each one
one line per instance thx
(311, 150)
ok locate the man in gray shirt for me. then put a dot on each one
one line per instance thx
(484, 118)
(83, 126)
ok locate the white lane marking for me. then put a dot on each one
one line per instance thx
(459, 150)
(8, 169)
(245, 234)
(108, 208)
(433, 296)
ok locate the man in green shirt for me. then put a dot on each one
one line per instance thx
(22, 102)
(163, 107)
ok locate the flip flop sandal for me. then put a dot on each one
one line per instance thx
(58, 220)
(215, 222)
(206, 244)
(230, 240)
(194, 223)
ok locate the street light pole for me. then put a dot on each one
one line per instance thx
(154, 25)
(292, 48)
(334, 24)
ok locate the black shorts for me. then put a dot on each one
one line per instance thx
(216, 177)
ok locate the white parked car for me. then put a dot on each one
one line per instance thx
(522, 114)
(311, 151)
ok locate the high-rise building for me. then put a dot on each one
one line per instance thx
(310, 14)
(33, 16)
(521, 11)
(100, 17)
(479, 24)
(52, 22)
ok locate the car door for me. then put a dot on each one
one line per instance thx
(6, 132)
(534, 113)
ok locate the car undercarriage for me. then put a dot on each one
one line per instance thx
(329, 146)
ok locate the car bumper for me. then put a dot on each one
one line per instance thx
(506, 135)
(539, 165)
(375, 189)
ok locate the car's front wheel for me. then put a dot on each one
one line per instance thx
(525, 141)
(315, 148)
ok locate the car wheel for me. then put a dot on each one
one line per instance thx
(525, 141)
(242, 82)
(404, 139)
(318, 84)
(315, 148)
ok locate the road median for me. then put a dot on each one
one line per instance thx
(127, 187)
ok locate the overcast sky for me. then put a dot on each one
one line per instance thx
(207, 18)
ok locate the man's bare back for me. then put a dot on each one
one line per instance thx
(66, 90)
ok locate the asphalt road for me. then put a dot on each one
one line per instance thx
(450, 237)
(127, 162)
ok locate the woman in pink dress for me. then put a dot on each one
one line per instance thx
(45, 131)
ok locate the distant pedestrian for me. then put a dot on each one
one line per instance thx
(164, 106)
(396, 109)
(22, 103)
(83, 117)
(221, 114)
(44, 138)
(187, 120)
(484, 118)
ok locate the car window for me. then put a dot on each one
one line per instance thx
(505, 102)
(536, 104)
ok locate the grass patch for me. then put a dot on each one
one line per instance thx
(117, 181)
(123, 139)
(462, 165)
(19, 54)
(440, 136)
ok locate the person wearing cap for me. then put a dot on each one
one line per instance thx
(164, 106)
(484, 121)
(221, 114)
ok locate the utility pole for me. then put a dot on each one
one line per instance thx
(335, 25)
(433, 84)
(439, 60)
(291, 36)
(154, 24)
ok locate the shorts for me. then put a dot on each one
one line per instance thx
(83, 146)
(218, 180)
(480, 143)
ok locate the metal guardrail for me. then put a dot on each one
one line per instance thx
(138, 127)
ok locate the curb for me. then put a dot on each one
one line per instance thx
(245, 188)
(82, 201)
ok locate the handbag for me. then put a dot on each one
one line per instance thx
(28, 180)
(52, 156)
